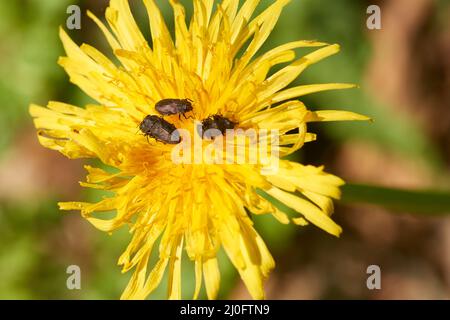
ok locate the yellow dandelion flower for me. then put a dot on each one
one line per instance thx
(200, 207)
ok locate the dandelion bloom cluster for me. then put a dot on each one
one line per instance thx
(193, 208)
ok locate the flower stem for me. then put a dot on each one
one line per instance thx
(429, 202)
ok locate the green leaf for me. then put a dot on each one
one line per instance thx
(415, 201)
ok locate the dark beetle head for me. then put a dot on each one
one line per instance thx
(223, 123)
(186, 105)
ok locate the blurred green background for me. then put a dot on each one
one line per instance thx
(404, 75)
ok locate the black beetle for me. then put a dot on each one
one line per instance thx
(159, 129)
(217, 122)
(174, 106)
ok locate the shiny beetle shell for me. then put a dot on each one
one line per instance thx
(173, 106)
(159, 129)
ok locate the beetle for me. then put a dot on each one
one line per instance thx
(217, 122)
(159, 129)
(174, 106)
